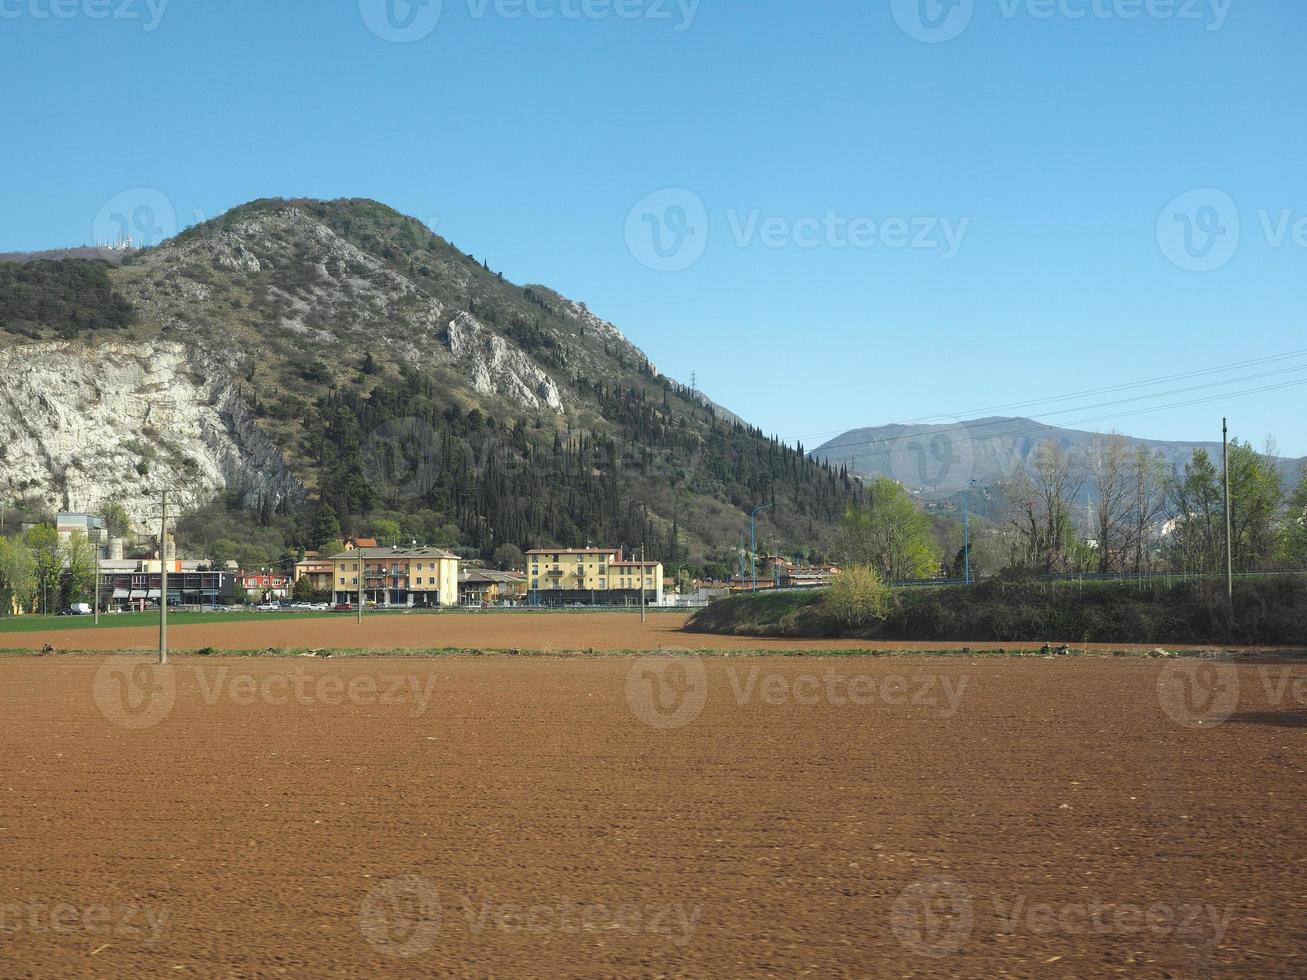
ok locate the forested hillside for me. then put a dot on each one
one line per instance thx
(412, 390)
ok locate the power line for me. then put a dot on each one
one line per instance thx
(1102, 418)
(962, 426)
(1085, 392)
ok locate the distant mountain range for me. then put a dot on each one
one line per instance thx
(939, 460)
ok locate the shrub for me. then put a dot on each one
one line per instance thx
(857, 597)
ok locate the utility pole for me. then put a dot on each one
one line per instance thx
(642, 583)
(97, 583)
(1229, 548)
(753, 542)
(966, 532)
(363, 574)
(163, 580)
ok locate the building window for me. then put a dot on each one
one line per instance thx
(419, 580)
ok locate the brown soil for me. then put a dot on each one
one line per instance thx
(548, 632)
(271, 818)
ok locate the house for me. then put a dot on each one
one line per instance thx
(594, 576)
(352, 544)
(487, 587)
(264, 586)
(409, 577)
(318, 570)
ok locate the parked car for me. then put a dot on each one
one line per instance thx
(77, 609)
(344, 607)
(268, 607)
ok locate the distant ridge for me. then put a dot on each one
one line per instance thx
(114, 256)
(942, 459)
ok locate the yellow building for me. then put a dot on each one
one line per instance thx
(321, 572)
(409, 577)
(559, 576)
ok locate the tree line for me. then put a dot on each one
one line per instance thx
(1142, 516)
(38, 573)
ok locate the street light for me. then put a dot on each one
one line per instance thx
(966, 532)
(753, 542)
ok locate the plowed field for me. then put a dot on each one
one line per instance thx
(641, 817)
(549, 632)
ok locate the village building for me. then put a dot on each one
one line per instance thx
(591, 576)
(407, 577)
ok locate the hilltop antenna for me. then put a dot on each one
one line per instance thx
(694, 383)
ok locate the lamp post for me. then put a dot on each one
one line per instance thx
(163, 578)
(966, 531)
(753, 542)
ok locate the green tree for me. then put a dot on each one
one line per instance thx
(857, 597)
(1200, 516)
(509, 557)
(78, 583)
(888, 533)
(1295, 525)
(286, 562)
(1256, 499)
(326, 526)
(220, 552)
(303, 590)
(385, 530)
(18, 576)
(116, 520)
(43, 540)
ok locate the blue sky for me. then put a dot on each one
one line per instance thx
(856, 225)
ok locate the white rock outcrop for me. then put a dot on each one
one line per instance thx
(81, 426)
(496, 367)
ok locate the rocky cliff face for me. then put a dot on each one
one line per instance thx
(300, 285)
(84, 425)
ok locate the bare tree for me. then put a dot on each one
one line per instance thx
(1110, 465)
(1151, 478)
(1039, 508)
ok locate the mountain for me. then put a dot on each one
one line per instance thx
(296, 353)
(939, 460)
